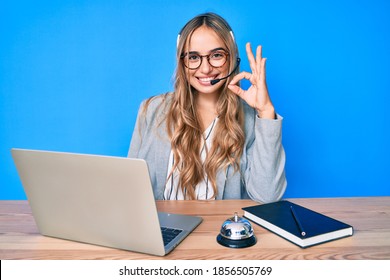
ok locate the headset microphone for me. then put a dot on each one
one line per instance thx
(213, 82)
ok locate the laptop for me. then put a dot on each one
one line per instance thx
(100, 200)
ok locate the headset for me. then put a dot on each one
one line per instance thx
(215, 81)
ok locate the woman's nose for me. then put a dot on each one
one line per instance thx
(205, 66)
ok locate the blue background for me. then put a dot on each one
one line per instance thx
(72, 75)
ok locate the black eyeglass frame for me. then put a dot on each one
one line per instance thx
(207, 56)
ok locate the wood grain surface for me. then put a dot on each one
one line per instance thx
(370, 217)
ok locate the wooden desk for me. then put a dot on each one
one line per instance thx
(370, 217)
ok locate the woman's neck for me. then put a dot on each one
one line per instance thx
(206, 105)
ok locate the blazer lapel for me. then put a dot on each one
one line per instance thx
(221, 183)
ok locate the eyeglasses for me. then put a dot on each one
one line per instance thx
(217, 58)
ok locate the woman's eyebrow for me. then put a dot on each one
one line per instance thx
(213, 50)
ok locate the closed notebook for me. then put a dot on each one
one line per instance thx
(298, 224)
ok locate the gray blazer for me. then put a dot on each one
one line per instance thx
(261, 177)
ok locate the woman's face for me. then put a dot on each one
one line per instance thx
(205, 41)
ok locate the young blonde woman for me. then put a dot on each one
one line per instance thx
(210, 139)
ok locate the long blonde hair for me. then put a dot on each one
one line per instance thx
(183, 122)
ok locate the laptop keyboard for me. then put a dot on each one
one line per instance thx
(169, 234)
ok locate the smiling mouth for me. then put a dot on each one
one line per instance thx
(206, 80)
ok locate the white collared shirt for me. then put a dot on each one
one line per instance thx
(204, 189)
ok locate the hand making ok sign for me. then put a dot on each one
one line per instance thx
(257, 94)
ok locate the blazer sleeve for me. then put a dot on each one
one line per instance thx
(265, 179)
(136, 139)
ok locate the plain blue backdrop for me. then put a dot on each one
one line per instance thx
(72, 75)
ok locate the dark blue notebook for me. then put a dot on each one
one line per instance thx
(298, 224)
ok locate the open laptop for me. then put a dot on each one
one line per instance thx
(99, 200)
